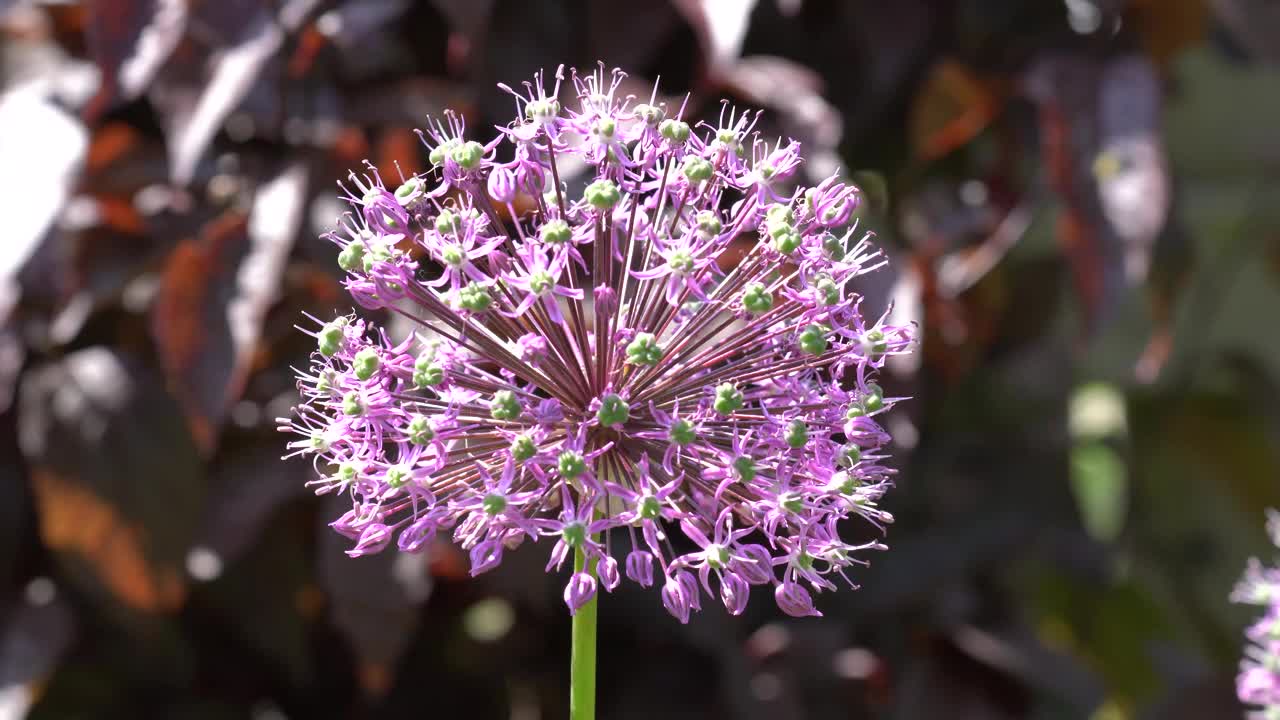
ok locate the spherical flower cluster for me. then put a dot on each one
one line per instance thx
(1258, 683)
(605, 367)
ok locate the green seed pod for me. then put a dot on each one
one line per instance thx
(555, 232)
(680, 261)
(319, 442)
(709, 225)
(650, 115)
(574, 534)
(505, 405)
(756, 298)
(426, 372)
(649, 507)
(833, 246)
(348, 472)
(791, 502)
(351, 404)
(780, 214)
(541, 282)
(874, 399)
(420, 431)
(398, 475)
(849, 455)
(827, 290)
(674, 130)
(523, 448)
(682, 432)
(874, 344)
(728, 399)
(352, 257)
(448, 222)
(493, 503)
(542, 110)
(696, 169)
(613, 411)
(797, 434)
(475, 297)
(468, 155)
(329, 340)
(377, 252)
(366, 363)
(644, 350)
(441, 151)
(602, 194)
(788, 242)
(813, 339)
(411, 190)
(571, 464)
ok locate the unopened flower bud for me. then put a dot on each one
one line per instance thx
(502, 185)
(607, 569)
(606, 300)
(579, 591)
(640, 567)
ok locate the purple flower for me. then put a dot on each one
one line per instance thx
(1258, 683)
(736, 406)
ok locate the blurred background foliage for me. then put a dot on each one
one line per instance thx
(1079, 198)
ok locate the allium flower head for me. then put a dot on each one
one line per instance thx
(609, 366)
(1258, 683)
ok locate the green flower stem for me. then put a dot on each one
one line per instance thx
(582, 662)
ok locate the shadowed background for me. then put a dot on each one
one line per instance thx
(1079, 199)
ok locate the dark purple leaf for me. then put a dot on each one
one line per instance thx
(194, 105)
(214, 293)
(41, 149)
(246, 489)
(1255, 24)
(794, 93)
(115, 475)
(1131, 167)
(35, 633)
(373, 600)
(130, 40)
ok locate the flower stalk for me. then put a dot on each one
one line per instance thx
(582, 659)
